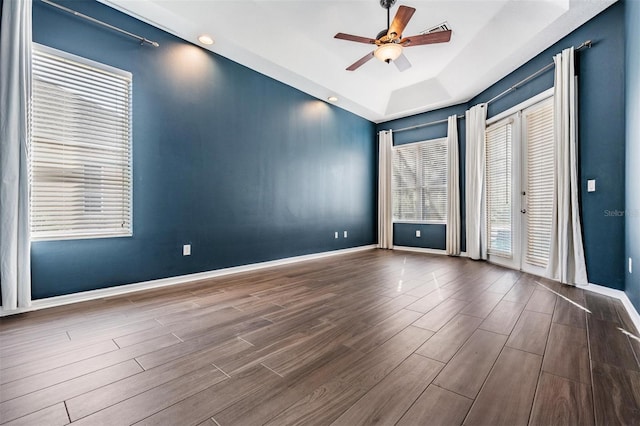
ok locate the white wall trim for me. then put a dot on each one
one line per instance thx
(427, 250)
(521, 106)
(66, 299)
(616, 294)
(420, 250)
(183, 279)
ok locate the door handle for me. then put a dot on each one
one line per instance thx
(523, 211)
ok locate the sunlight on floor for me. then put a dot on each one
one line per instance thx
(631, 335)
(564, 297)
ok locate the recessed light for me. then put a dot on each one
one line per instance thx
(332, 99)
(205, 39)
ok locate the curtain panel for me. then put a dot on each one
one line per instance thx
(475, 182)
(566, 252)
(15, 98)
(453, 188)
(385, 198)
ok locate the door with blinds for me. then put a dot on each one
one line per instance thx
(520, 178)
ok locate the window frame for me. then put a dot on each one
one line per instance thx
(96, 232)
(420, 179)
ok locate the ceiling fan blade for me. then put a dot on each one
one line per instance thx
(357, 64)
(402, 63)
(400, 21)
(358, 39)
(431, 38)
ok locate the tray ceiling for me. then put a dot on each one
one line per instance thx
(292, 41)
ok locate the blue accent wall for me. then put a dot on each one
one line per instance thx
(244, 168)
(632, 207)
(601, 135)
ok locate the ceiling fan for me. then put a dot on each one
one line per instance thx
(390, 41)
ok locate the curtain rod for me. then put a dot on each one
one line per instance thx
(141, 39)
(586, 44)
(542, 70)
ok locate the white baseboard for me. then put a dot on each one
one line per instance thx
(617, 294)
(164, 282)
(420, 250)
(427, 250)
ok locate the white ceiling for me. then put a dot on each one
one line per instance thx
(292, 41)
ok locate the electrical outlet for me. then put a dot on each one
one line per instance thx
(417, 233)
(186, 250)
(345, 234)
(336, 235)
(630, 266)
(591, 185)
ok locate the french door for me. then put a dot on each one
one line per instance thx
(519, 187)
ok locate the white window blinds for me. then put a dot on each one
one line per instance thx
(419, 182)
(498, 184)
(405, 183)
(80, 148)
(538, 125)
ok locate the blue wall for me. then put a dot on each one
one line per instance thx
(632, 249)
(601, 135)
(247, 169)
(241, 166)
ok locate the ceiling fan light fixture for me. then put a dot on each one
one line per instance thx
(388, 52)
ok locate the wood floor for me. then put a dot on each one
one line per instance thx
(374, 337)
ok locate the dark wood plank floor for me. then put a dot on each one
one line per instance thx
(373, 337)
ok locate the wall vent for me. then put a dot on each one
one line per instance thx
(440, 27)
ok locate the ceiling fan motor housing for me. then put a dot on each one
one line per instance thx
(382, 34)
(387, 3)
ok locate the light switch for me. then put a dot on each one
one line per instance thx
(591, 185)
(186, 250)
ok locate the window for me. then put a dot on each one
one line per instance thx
(80, 148)
(419, 182)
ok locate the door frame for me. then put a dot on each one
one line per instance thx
(518, 171)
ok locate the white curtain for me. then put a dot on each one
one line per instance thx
(453, 189)
(385, 199)
(566, 257)
(15, 97)
(475, 182)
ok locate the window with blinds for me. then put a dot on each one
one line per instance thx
(538, 131)
(499, 138)
(419, 182)
(80, 148)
